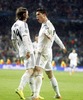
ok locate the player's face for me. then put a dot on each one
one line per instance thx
(40, 17)
(27, 15)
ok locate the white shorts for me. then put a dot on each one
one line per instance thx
(73, 65)
(29, 63)
(44, 61)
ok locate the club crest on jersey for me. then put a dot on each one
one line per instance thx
(46, 27)
(26, 31)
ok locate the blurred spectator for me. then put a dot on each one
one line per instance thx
(8, 61)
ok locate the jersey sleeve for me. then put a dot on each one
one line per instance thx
(48, 32)
(23, 29)
(14, 40)
(25, 37)
(58, 41)
(13, 35)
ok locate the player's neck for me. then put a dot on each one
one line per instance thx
(45, 20)
(25, 20)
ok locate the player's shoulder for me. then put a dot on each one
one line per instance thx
(19, 22)
(50, 25)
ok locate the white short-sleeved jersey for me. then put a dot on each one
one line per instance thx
(18, 31)
(73, 59)
(47, 36)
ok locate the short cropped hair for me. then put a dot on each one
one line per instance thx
(19, 13)
(41, 10)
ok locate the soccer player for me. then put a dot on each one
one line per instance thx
(22, 43)
(47, 35)
(73, 57)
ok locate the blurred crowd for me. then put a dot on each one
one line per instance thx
(66, 15)
(71, 9)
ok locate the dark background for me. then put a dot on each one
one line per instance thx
(66, 15)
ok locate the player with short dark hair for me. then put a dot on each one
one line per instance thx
(47, 35)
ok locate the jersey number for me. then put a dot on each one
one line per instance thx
(17, 33)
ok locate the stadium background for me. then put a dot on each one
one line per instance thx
(66, 15)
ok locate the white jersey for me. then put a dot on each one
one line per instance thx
(35, 44)
(47, 36)
(73, 59)
(20, 33)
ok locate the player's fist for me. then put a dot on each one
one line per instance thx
(64, 50)
(28, 55)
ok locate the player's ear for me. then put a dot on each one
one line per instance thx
(24, 15)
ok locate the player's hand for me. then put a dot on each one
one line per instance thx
(65, 50)
(28, 55)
